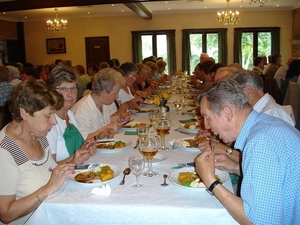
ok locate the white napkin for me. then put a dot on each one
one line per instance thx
(172, 142)
(104, 190)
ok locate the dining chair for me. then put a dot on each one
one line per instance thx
(292, 98)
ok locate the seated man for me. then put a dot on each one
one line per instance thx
(92, 112)
(270, 149)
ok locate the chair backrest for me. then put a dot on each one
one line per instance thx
(289, 110)
(2, 117)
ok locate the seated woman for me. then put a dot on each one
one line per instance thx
(92, 112)
(28, 172)
(66, 142)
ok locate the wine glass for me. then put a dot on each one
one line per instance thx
(153, 117)
(137, 165)
(162, 128)
(148, 147)
(178, 105)
(142, 131)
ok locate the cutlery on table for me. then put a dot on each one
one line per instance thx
(127, 171)
(127, 122)
(165, 179)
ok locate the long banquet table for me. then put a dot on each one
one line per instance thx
(153, 204)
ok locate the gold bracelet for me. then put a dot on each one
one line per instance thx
(38, 198)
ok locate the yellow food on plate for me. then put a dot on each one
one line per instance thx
(102, 173)
(191, 179)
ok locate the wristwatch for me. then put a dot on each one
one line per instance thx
(212, 186)
(229, 151)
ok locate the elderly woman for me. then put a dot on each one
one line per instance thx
(26, 164)
(67, 144)
(93, 111)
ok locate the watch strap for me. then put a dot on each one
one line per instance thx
(212, 186)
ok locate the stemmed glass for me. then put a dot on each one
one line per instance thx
(153, 117)
(178, 105)
(162, 128)
(137, 165)
(148, 147)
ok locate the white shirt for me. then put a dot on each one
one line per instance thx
(88, 117)
(56, 139)
(124, 96)
(268, 106)
(280, 74)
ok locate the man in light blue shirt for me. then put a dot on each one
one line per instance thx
(270, 147)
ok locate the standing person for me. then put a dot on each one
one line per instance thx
(270, 153)
(26, 165)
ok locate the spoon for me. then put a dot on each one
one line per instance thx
(165, 179)
(127, 171)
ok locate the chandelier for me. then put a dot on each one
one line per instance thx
(57, 25)
(228, 17)
(260, 1)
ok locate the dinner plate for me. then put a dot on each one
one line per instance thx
(189, 131)
(191, 110)
(173, 177)
(177, 144)
(127, 144)
(190, 103)
(130, 126)
(148, 103)
(158, 158)
(117, 172)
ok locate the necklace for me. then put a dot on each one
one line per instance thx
(31, 143)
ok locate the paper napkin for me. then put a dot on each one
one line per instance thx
(104, 190)
(187, 121)
(130, 133)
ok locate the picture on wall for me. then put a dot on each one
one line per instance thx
(56, 45)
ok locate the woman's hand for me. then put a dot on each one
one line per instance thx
(58, 177)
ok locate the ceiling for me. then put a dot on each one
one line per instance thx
(18, 11)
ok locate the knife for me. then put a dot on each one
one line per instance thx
(127, 122)
(102, 142)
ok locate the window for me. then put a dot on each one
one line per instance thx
(252, 42)
(213, 42)
(157, 43)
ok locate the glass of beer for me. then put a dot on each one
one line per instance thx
(148, 147)
(162, 128)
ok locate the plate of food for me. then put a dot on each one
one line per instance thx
(142, 112)
(192, 110)
(101, 174)
(190, 96)
(191, 128)
(190, 102)
(148, 103)
(133, 125)
(188, 178)
(188, 143)
(112, 145)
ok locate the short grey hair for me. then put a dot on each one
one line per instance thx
(106, 79)
(226, 93)
(247, 78)
(14, 70)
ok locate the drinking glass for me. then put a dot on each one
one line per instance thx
(178, 105)
(148, 147)
(137, 165)
(153, 117)
(162, 128)
(142, 131)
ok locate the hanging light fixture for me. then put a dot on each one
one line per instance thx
(57, 25)
(260, 1)
(228, 17)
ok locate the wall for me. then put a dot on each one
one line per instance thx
(296, 33)
(119, 31)
(8, 30)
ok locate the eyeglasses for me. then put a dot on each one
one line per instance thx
(63, 90)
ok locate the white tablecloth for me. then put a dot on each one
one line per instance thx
(74, 204)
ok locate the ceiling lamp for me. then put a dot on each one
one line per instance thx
(228, 17)
(57, 25)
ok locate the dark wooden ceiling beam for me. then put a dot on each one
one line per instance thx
(139, 9)
(34, 4)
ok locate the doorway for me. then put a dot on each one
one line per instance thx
(97, 50)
